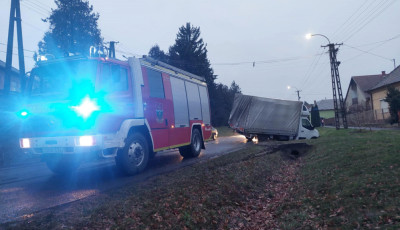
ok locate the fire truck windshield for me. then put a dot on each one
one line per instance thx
(60, 78)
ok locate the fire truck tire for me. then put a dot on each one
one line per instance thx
(133, 158)
(63, 165)
(194, 149)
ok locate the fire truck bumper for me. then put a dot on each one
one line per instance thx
(68, 144)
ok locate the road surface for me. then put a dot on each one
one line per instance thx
(28, 188)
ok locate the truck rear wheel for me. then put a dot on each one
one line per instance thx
(194, 149)
(133, 158)
(62, 165)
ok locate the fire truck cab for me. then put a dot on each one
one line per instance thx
(124, 109)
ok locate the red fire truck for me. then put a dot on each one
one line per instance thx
(124, 109)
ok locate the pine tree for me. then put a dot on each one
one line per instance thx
(393, 99)
(73, 29)
(190, 53)
(156, 53)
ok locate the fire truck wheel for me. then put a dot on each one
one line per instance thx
(63, 165)
(194, 149)
(134, 156)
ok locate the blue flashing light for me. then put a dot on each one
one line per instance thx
(86, 108)
(23, 113)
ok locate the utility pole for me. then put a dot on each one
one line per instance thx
(394, 63)
(298, 94)
(336, 85)
(15, 16)
(111, 53)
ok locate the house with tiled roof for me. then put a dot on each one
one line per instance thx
(379, 91)
(357, 93)
(326, 108)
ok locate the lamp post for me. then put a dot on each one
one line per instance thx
(297, 91)
(335, 81)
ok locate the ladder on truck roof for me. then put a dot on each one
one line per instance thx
(172, 68)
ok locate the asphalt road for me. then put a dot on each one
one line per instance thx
(28, 188)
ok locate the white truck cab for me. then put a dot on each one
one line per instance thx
(306, 130)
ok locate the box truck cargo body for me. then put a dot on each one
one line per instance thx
(273, 118)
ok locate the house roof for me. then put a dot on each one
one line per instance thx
(392, 77)
(326, 104)
(3, 66)
(368, 81)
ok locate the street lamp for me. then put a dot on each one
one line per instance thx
(297, 91)
(335, 80)
(309, 36)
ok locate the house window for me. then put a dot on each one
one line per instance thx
(384, 106)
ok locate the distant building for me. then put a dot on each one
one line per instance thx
(357, 93)
(15, 83)
(326, 108)
(379, 92)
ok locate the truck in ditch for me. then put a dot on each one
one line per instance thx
(271, 118)
(128, 110)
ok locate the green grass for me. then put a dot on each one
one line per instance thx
(201, 196)
(350, 180)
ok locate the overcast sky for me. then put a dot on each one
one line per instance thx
(270, 33)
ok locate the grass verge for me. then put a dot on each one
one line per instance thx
(350, 180)
(216, 194)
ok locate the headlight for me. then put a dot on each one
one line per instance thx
(87, 141)
(25, 143)
(86, 108)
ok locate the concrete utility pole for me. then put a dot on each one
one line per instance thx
(15, 16)
(336, 81)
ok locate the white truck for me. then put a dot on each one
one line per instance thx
(271, 118)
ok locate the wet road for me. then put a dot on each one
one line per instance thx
(28, 188)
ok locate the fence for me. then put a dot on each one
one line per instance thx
(363, 118)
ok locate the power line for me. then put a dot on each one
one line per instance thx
(35, 27)
(42, 3)
(370, 20)
(264, 61)
(312, 68)
(17, 47)
(357, 16)
(367, 52)
(1, 51)
(348, 19)
(33, 9)
(40, 6)
(383, 41)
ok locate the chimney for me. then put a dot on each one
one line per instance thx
(383, 73)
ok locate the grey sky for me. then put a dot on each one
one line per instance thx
(237, 33)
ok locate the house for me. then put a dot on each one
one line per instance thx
(379, 92)
(357, 93)
(326, 108)
(15, 83)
